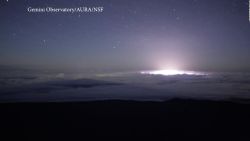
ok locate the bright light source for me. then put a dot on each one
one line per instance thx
(171, 72)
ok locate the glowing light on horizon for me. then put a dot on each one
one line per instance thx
(171, 72)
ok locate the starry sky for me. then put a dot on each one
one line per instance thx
(202, 35)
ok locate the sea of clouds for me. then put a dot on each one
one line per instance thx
(35, 86)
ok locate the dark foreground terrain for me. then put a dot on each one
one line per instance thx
(175, 119)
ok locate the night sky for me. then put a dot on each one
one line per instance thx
(202, 35)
